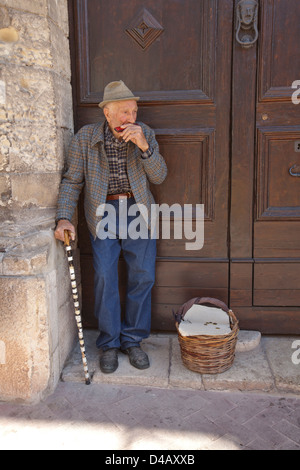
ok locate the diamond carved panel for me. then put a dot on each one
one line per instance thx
(144, 29)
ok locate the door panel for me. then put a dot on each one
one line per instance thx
(264, 221)
(276, 284)
(278, 58)
(277, 217)
(275, 157)
(164, 48)
(175, 55)
(278, 127)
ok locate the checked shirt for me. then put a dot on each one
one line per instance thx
(116, 153)
(88, 168)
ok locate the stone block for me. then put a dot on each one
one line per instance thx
(67, 332)
(33, 47)
(286, 371)
(24, 331)
(60, 52)
(3, 116)
(248, 340)
(250, 371)
(34, 148)
(64, 292)
(64, 137)
(35, 189)
(4, 17)
(2, 93)
(17, 222)
(1, 262)
(63, 101)
(15, 373)
(5, 190)
(35, 128)
(63, 327)
(19, 262)
(32, 323)
(4, 161)
(29, 95)
(5, 144)
(39, 7)
(58, 12)
(14, 265)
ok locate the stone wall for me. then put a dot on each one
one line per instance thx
(37, 327)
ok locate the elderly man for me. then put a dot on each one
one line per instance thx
(115, 161)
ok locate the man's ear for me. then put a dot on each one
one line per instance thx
(106, 112)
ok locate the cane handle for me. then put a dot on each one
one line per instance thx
(67, 238)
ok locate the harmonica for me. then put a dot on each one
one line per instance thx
(120, 129)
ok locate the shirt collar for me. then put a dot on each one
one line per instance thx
(98, 134)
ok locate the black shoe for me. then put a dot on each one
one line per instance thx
(109, 361)
(137, 357)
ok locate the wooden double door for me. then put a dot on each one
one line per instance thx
(215, 79)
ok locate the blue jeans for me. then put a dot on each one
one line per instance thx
(139, 256)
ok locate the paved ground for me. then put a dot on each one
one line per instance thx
(255, 405)
(110, 417)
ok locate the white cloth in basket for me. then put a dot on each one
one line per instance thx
(201, 320)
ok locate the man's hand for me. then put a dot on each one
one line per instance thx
(135, 134)
(60, 229)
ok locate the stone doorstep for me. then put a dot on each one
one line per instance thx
(266, 368)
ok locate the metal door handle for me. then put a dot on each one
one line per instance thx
(292, 173)
(247, 23)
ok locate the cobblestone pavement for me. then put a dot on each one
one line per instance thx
(253, 406)
(109, 417)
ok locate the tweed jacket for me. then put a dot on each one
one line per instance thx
(88, 168)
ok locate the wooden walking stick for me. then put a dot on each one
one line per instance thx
(76, 306)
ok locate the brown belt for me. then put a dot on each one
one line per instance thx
(112, 197)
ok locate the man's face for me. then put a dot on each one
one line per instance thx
(119, 113)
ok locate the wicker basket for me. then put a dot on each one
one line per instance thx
(208, 354)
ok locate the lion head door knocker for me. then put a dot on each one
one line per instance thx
(247, 23)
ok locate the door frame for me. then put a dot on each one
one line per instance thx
(241, 183)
